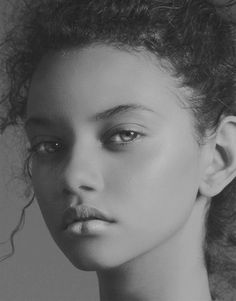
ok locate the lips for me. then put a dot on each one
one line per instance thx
(83, 213)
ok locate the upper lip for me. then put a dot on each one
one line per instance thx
(83, 213)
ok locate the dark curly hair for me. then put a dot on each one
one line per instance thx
(195, 36)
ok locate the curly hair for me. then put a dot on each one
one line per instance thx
(192, 35)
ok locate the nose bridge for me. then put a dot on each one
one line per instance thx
(82, 170)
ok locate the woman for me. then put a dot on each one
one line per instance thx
(129, 110)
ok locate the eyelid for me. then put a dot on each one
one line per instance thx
(40, 138)
(33, 148)
(123, 128)
(135, 127)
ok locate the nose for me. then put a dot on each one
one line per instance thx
(81, 173)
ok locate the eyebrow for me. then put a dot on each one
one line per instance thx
(109, 113)
(121, 109)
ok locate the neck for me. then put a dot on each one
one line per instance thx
(173, 271)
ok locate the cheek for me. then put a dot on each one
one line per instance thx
(155, 189)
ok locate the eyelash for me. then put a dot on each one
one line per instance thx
(118, 133)
(35, 149)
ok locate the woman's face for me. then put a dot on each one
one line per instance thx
(109, 131)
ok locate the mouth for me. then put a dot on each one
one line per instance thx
(84, 215)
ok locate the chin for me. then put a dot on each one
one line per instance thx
(94, 261)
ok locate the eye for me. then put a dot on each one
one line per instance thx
(124, 136)
(45, 148)
(115, 138)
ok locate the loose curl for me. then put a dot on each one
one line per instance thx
(192, 35)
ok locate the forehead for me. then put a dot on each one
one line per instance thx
(89, 80)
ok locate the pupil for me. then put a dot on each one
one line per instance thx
(128, 135)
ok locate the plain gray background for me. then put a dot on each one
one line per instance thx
(38, 271)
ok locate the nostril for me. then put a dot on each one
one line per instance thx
(86, 188)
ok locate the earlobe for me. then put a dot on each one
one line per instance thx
(221, 169)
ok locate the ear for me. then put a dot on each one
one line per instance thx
(221, 168)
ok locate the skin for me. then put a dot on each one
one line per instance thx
(148, 185)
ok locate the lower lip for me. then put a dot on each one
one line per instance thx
(89, 227)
